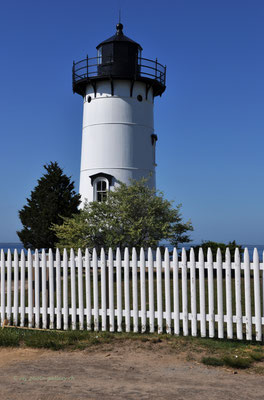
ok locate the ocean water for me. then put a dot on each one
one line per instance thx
(260, 248)
(11, 246)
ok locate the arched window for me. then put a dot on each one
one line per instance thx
(99, 55)
(154, 139)
(101, 187)
(101, 183)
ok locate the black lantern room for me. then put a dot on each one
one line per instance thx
(119, 58)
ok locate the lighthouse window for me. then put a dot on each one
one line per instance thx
(154, 139)
(101, 187)
(139, 56)
(99, 55)
(140, 98)
(89, 99)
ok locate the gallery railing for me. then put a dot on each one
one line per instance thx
(90, 68)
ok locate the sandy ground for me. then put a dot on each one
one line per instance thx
(127, 370)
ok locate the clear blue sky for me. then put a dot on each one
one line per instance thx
(210, 120)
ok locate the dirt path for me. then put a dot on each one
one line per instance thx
(120, 371)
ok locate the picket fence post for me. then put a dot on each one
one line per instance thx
(167, 291)
(257, 295)
(30, 289)
(88, 290)
(238, 295)
(247, 295)
(2, 287)
(143, 291)
(51, 289)
(202, 293)
(159, 291)
(193, 293)
(184, 294)
(229, 313)
(8, 288)
(111, 290)
(103, 288)
(219, 278)
(211, 309)
(22, 289)
(16, 288)
(176, 305)
(126, 287)
(95, 291)
(36, 289)
(73, 290)
(151, 292)
(44, 288)
(135, 289)
(80, 289)
(58, 289)
(119, 289)
(65, 291)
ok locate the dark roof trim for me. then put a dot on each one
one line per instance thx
(102, 175)
(119, 37)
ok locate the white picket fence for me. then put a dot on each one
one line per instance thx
(145, 293)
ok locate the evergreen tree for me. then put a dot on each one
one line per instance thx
(51, 200)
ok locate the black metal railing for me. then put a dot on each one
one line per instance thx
(90, 68)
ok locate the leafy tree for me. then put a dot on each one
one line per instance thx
(52, 199)
(132, 215)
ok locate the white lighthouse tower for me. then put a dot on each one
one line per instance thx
(118, 139)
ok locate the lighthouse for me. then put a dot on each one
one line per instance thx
(118, 87)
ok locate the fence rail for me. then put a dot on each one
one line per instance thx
(139, 292)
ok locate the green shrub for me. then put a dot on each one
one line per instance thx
(214, 361)
(9, 338)
(237, 362)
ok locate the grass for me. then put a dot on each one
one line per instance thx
(214, 361)
(257, 355)
(9, 338)
(53, 340)
(211, 352)
(233, 354)
(229, 361)
(237, 362)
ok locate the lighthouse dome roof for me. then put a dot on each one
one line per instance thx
(119, 37)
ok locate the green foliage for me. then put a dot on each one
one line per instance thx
(8, 339)
(52, 199)
(257, 355)
(213, 361)
(53, 340)
(229, 361)
(237, 362)
(132, 216)
(214, 246)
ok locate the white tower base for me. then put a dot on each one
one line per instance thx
(118, 141)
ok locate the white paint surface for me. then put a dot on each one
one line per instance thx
(116, 137)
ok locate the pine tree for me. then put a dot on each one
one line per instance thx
(51, 200)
